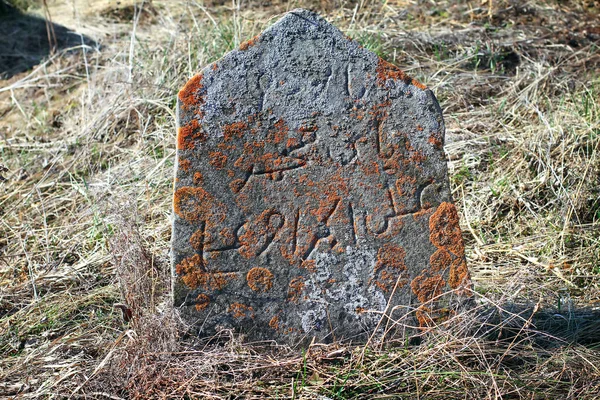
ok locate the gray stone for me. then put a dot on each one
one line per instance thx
(311, 193)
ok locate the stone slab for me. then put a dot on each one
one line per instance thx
(311, 192)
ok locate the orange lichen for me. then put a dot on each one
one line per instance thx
(393, 159)
(260, 279)
(445, 230)
(226, 147)
(416, 157)
(390, 267)
(424, 317)
(240, 310)
(326, 207)
(216, 280)
(227, 236)
(197, 240)
(459, 274)
(236, 185)
(194, 204)
(295, 289)
(189, 268)
(392, 256)
(395, 226)
(280, 133)
(309, 265)
(259, 232)
(427, 288)
(202, 301)
(386, 70)
(370, 168)
(423, 212)
(189, 95)
(198, 178)
(440, 260)
(187, 134)
(310, 128)
(250, 148)
(435, 141)
(274, 322)
(193, 273)
(217, 159)
(292, 143)
(234, 130)
(249, 43)
(386, 281)
(185, 164)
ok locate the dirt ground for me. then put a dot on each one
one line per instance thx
(87, 143)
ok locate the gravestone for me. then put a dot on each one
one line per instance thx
(311, 192)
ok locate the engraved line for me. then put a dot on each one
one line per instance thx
(295, 149)
(287, 152)
(301, 163)
(225, 248)
(326, 220)
(270, 239)
(247, 176)
(316, 239)
(418, 207)
(311, 247)
(203, 228)
(261, 103)
(329, 77)
(300, 147)
(419, 191)
(201, 245)
(352, 222)
(347, 77)
(386, 218)
(363, 93)
(377, 138)
(332, 241)
(380, 138)
(236, 242)
(268, 242)
(391, 196)
(355, 156)
(295, 238)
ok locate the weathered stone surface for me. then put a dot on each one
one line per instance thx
(311, 193)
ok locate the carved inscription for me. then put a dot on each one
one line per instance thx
(310, 196)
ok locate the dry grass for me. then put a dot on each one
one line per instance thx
(86, 156)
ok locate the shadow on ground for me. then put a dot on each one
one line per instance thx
(26, 40)
(547, 327)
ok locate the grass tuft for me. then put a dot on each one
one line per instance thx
(86, 164)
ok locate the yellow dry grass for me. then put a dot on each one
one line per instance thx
(86, 160)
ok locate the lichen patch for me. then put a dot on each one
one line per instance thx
(386, 71)
(190, 94)
(260, 279)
